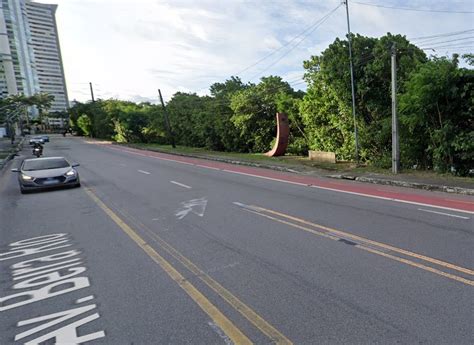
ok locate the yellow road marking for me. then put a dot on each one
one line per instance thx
(375, 243)
(219, 319)
(374, 251)
(267, 329)
(415, 264)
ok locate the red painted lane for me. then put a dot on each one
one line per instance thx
(343, 186)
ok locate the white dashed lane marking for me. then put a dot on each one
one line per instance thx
(444, 214)
(181, 184)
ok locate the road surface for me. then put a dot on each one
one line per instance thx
(160, 249)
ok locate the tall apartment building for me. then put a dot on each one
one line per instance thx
(29, 45)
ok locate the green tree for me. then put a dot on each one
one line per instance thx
(254, 112)
(437, 117)
(330, 73)
(327, 121)
(43, 102)
(227, 137)
(85, 124)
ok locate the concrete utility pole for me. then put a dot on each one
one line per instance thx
(167, 121)
(349, 38)
(92, 92)
(395, 139)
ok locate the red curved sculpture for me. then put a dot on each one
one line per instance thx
(283, 131)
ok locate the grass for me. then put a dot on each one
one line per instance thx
(305, 164)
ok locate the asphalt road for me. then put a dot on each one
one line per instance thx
(158, 249)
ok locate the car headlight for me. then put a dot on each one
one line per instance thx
(26, 177)
(71, 173)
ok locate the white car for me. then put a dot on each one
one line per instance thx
(39, 140)
(47, 172)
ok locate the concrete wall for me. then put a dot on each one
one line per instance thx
(323, 157)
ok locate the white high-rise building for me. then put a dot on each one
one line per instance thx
(29, 44)
(49, 76)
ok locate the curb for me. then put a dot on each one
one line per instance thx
(397, 183)
(12, 154)
(414, 185)
(219, 159)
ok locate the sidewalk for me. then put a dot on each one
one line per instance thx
(416, 179)
(7, 150)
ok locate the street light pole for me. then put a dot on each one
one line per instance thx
(395, 135)
(349, 37)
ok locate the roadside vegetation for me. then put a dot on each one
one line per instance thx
(436, 110)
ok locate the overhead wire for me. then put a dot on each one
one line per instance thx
(434, 37)
(410, 8)
(310, 27)
(320, 22)
(455, 40)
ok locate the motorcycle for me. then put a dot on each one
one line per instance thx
(38, 151)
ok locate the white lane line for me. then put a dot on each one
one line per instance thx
(84, 299)
(267, 178)
(181, 184)
(206, 167)
(307, 185)
(395, 200)
(444, 214)
(144, 172)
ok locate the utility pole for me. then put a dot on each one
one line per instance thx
(167, 121)
(349, 38)
(395, 138)
(92, 92)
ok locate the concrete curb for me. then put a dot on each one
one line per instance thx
(407, 184)
(365, 179)
(12, 154)
(217, 159)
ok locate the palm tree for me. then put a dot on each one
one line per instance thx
(43, 102)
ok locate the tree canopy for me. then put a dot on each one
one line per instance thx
(435, 104)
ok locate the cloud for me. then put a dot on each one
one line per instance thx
(132, 48)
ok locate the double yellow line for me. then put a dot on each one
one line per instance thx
(234, 333)
(365, 244)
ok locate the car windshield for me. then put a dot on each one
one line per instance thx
(44, 164)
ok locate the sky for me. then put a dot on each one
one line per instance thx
(130, 49)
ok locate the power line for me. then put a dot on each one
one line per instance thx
(296, 78)
(458, 39)
(451, 48)
(447, 34)
(280, 48)
(320, 22)
(410, 8)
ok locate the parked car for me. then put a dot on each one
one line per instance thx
(36, 140)
(45, 173)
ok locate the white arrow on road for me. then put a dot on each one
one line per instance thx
(196, 206)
